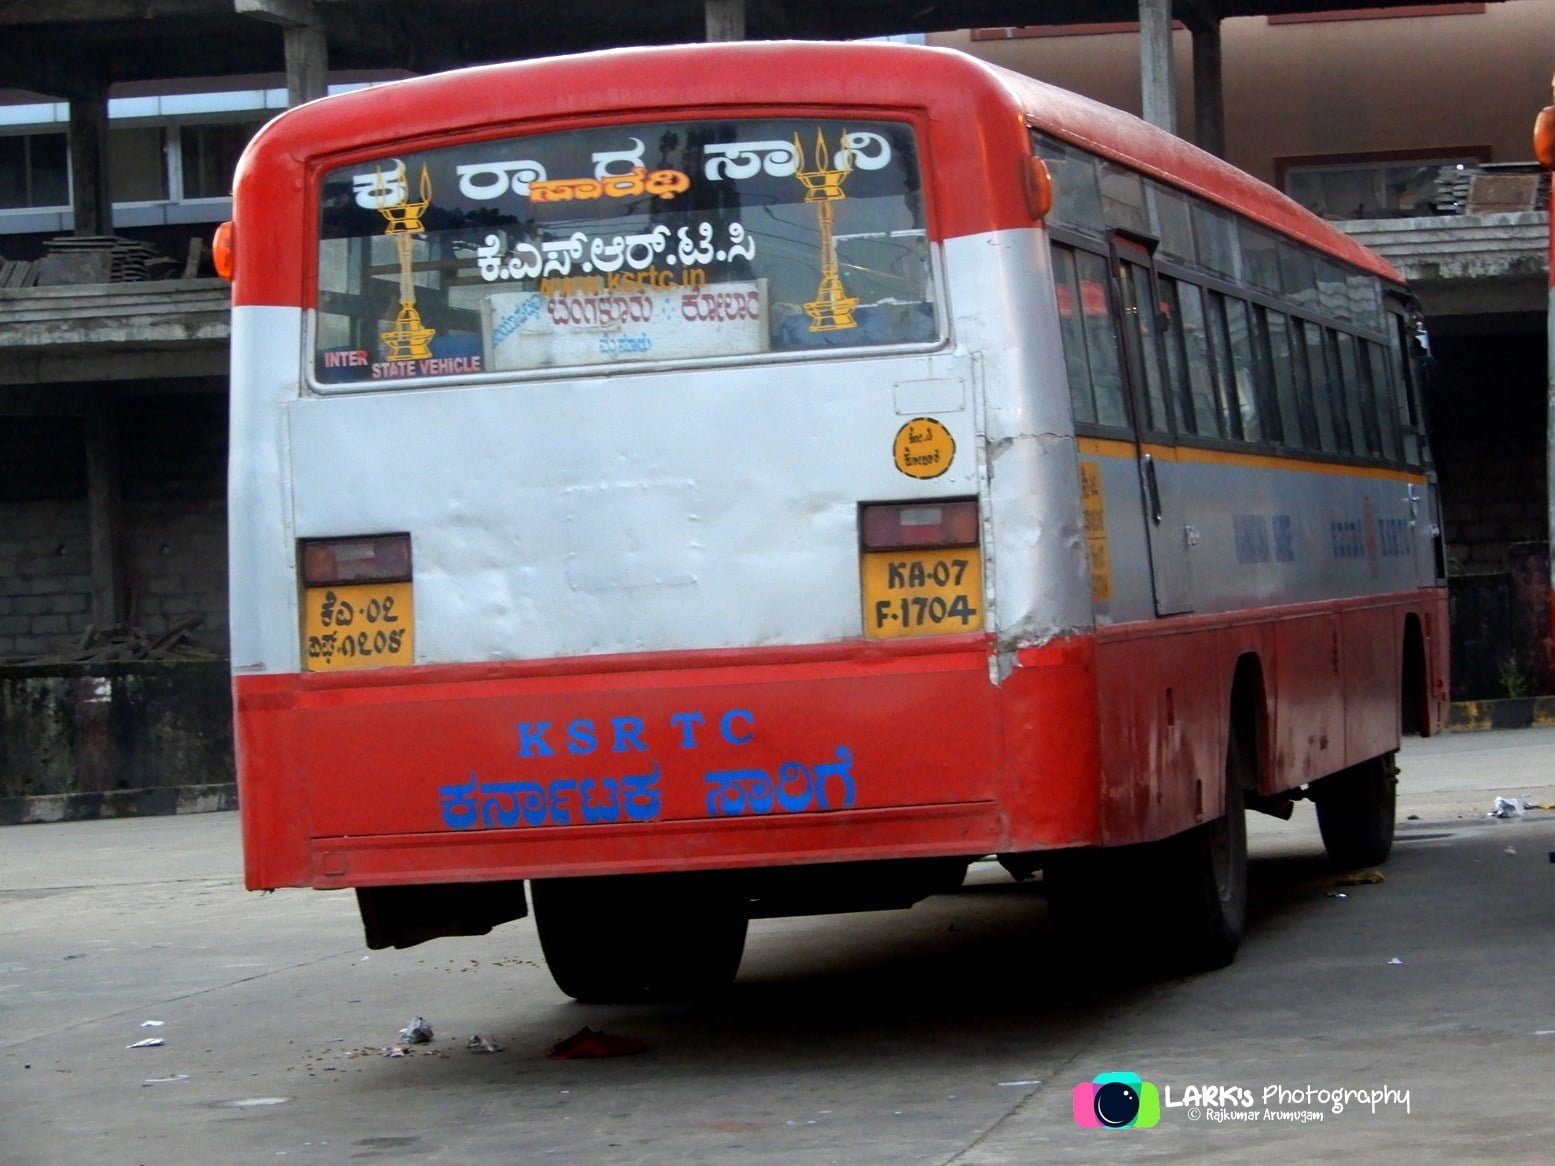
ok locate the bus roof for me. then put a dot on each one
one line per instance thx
(975, 111)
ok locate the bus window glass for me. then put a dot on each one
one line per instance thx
(1224, 366)
(1333, 296)
(1101, 341)
(1360, 401)
(1207, 418)
(615, 244)
(1404, 387)
(1275, 335)
(1176, 356)
(1345, 435)
(1172, 222)
(1260, 257)
(1301, 381)
(1076, 193)
(1139, 306)
(1365, 301)
(1245, 367)
(1067, 284)
(1123, 199)
(1386, 398)
(1320, 369)
(1298, 279)
(1215, 233)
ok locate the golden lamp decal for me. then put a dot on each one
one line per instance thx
(832, 308)
(408, 339)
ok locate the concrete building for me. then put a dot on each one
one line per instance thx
(113, 334)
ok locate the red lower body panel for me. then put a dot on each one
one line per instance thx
(832, 753)
(692, 761)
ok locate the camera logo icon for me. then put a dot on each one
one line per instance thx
(1116, 1101)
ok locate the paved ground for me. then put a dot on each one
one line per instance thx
(951, 1033)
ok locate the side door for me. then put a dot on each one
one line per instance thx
(1425, 506)
(1160, 474)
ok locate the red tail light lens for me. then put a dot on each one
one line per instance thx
(378, 558)
(889, 526)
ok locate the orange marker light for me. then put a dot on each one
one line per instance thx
(222, 253)
(1544, 137)
(1039, 188)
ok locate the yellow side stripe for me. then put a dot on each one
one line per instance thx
(1112, 447)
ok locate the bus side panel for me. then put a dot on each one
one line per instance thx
(1163, 705)
(1373, 672)
(1332, 698)
(1309, 717)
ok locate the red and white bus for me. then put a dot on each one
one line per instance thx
(729, 481)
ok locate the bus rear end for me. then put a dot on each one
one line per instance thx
(626, 523)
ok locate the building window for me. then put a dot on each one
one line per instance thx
(210, 155)
(34, 171)
(137, 166)
(1379, 186)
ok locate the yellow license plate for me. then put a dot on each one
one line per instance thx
(922, 593)
(358, 625)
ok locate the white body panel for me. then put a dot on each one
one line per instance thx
(671, 509)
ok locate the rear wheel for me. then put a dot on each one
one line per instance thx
(1204, 875)
(1355, 812)
(616, 940)
(1178, 904)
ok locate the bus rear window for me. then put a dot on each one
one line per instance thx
(608, 246)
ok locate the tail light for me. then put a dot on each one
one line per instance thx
(333, 562)
(893, 526)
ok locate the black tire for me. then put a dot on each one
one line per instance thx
(1205, 871)
(649, 938)
(1355, 812)
(1185, 897)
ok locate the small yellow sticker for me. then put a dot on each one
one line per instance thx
(924, 448)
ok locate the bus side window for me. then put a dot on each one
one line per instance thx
(1139, 305)
(1287, 387)
(1224, 368)
(1201, 377)
(1359, 405)
(1261, 370)
(1072, 333)
(1404, 387)
(1176, 358)
(1332, 435)
(1101, 341)
(1301, 375)
(1385, 397)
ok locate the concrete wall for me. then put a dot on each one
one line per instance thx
(71, 730)
(172, 517)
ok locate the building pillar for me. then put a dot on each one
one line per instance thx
(1209, 98)
(89, 195)
(307, 63)
(307, 47)
(1157, 75)
(725, 19)
(109, 608)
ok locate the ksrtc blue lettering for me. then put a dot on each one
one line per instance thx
(531, 739)
(726, 726)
